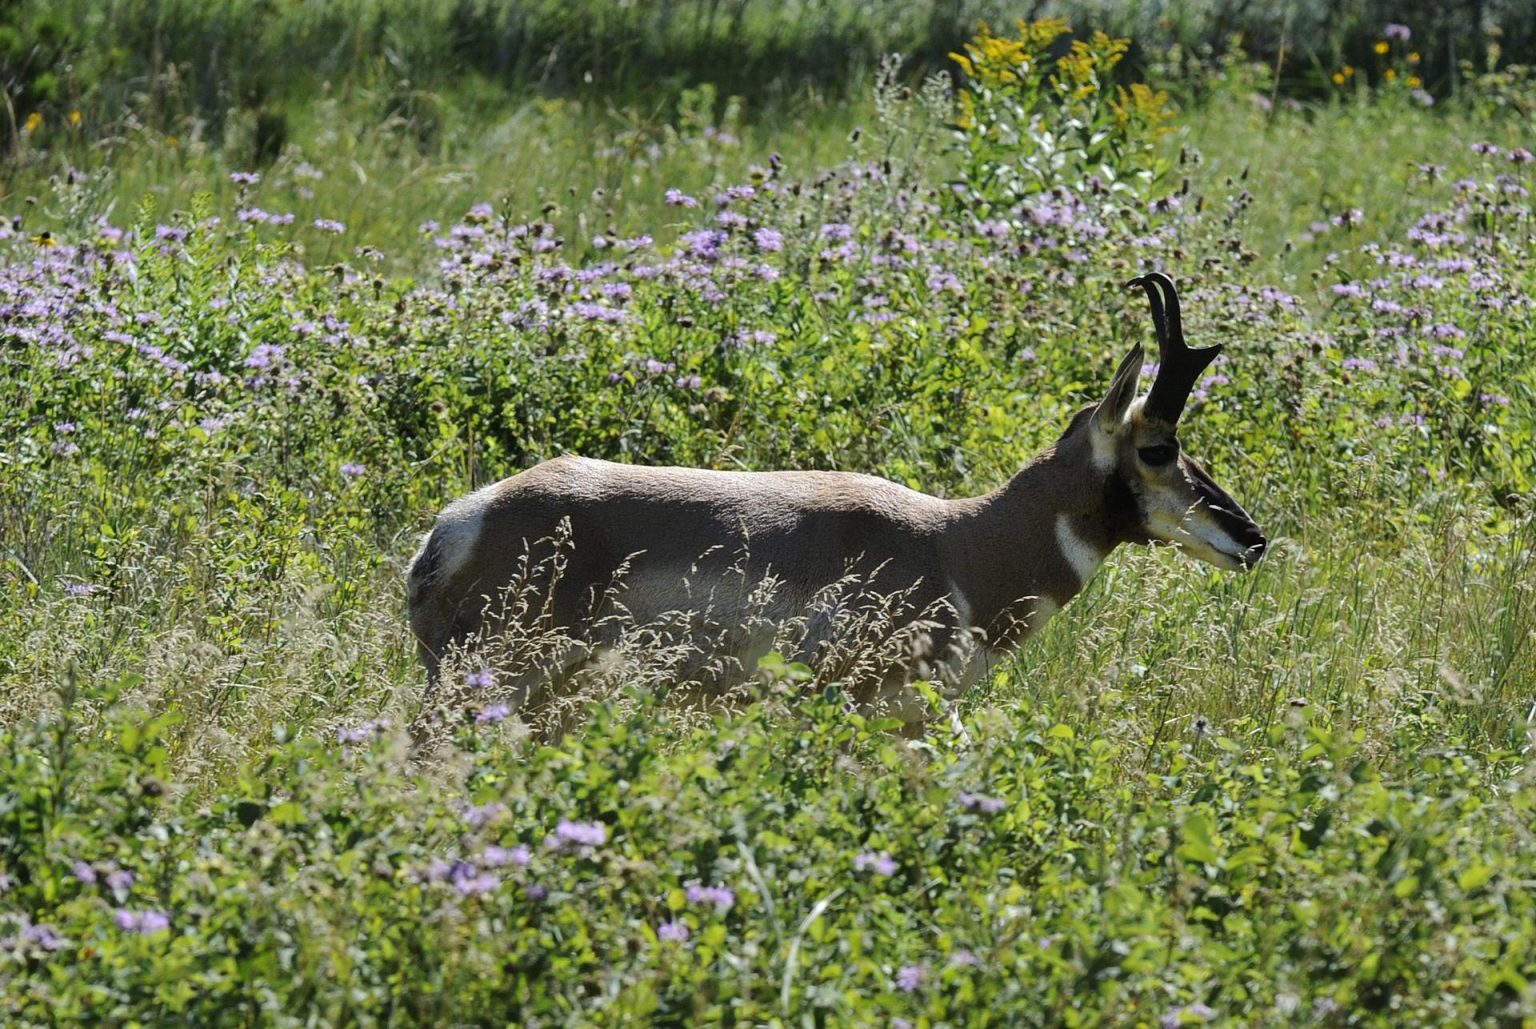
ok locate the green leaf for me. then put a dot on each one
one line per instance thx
(1475, 877)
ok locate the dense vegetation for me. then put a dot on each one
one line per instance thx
(1301, 796)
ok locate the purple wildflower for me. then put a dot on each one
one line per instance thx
(476, 816)
(672, 932)
(1190, 1015)
(768, 239)
(477, 884)
(585, 834)
(721, 897)
(496, 857)
(704, 243)
(982, 802)
(1359, 364)
(480, 678)
(83, 872)
(329, 225)
(359, 733)
(942, 281)
(593, 312)
(762, 337)
(677, 198)
(80, 589)
(1394, 30)
(353, 470)
(492, 714)
(264, 355)
(1348, 289)
(910, 978)
(1520, 155)
(240, 178)
(39, 935)
(1485, 148)
(880, 863)
(145, 922)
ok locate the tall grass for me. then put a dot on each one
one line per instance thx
(1298, 794)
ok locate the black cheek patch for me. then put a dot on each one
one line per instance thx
(1123, 512)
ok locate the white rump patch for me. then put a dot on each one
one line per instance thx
(457, 529)
(1080, 554)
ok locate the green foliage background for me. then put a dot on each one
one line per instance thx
(1302, 796)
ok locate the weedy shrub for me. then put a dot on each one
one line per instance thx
(1030, 119)
(795, 862)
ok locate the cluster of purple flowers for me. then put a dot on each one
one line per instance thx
(581, 838)
(878, 862)
(144, 922)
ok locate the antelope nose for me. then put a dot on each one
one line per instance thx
(1254, 545)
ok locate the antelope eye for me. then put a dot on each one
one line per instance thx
(1158, 455)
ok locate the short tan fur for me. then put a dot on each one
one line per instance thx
(982, 573)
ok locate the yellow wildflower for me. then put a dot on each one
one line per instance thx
(34, 122)
(1413, 58)
(74, 118)
(1390, 74)
(45, 239)
(171, 141)
(1414, 82)
(1383, 47)
(1349, 71)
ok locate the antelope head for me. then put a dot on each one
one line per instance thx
(1165, 495)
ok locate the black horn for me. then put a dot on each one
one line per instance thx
(1178, 365)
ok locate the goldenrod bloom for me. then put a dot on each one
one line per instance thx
(1414, 82)
(34, 122)
(1338, 78)
(1383, 47)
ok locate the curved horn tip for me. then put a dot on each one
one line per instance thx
(1157, 279)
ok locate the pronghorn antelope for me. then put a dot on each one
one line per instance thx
(979, 574)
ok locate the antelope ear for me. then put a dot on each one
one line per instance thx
(1111, 410)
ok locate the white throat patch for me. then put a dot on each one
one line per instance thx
(1080, 554)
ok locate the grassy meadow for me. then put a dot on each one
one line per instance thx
(236, 386)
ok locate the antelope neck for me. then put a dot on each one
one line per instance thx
(1033, 543)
